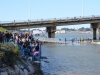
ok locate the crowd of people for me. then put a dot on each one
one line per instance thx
(28, 46)
(5, 37)
(81, 40)
(85, 40)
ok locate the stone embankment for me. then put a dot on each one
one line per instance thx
(96, 42)
(51, 40)
(12, 63)
(26, 67)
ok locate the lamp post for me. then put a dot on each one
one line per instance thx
(29, 14)
(82, 8)
(30, 9)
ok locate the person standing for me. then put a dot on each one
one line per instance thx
(3, 37)
(0, 37)
(65, 39)
(7, 36)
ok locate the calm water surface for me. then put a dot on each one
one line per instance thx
(71, 59)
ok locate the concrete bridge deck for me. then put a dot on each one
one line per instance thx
(51, 22)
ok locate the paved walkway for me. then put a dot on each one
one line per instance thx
(51, 40)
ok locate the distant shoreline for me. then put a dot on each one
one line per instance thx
(80, 32)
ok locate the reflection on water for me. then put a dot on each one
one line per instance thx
(71, 59)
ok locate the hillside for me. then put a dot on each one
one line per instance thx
(3, 29)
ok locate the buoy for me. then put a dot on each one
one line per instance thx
(99, 51)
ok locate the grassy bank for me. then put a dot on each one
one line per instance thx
(96, 40)
(3, 29)
(9, 53)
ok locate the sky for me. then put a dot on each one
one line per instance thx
(22, 10)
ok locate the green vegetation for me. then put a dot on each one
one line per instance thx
(9, 53)
(3, 29)
(96, 40)
(73, 29)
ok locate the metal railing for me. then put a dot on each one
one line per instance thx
(53, 19)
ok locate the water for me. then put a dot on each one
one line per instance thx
(72, 35)
(71, 59)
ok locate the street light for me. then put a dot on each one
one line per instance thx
(29, 14)
(82, 8)
(30, 9)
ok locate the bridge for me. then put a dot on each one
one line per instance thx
(52, 23)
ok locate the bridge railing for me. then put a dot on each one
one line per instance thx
(1, 22)
(53, 19)
(19, 21)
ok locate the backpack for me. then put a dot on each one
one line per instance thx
(30, 53)
(0, 35)
(3, 36)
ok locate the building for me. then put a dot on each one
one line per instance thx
(62, 31)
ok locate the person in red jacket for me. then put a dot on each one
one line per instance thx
(3, 37)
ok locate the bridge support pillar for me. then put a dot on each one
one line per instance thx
(94, 33)
(94, 26)
(51, 31)
(99, 33)
(99, 30)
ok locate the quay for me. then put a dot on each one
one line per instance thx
(96, 42)
(51, 40)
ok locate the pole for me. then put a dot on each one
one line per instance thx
(82, 8)
(30, 9)
(29, 14)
